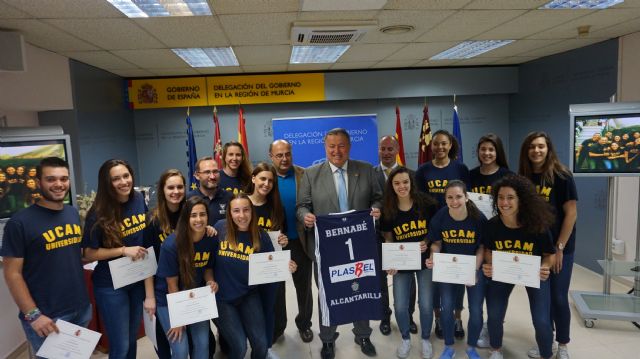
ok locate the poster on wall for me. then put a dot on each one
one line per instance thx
(306, 135)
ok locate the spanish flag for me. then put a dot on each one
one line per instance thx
(242, 132)
(400, 156)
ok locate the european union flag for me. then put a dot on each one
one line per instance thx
(192, 157)
(456, 132)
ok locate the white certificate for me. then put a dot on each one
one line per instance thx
(150, 328)
(518, 269)
(191, 306)
(401, 256)
(273, 235)
(125, 270)
(269, 267)
(73, 342)
(484, 202)
(454, 268)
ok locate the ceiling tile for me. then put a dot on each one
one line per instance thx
(475, 22)
(369, 52)
(10, 12)
(219, 70)
(337, 15)
(110, 34)
(101, 59)
(132, 73)
(253, 6)
(394, 64)
(181, 32)
(531, 23)
(308, 67)
(518, 47)
(421, 20)
(258, 29)
(152, 58)
(506, 4)
(561, 46)
(598, 20)
(353, 65)
(426, 5)
(628, 3)
(180, 71)
(513, 60)
(477, 61)
(627, 27)
(432, 63)
(421, 51)
(263, 55)
(49, 9)
(264, 68)
(46, 36)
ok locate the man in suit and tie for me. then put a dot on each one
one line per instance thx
(337, 185)
(388, 149)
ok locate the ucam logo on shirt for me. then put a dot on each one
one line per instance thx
(351, 271)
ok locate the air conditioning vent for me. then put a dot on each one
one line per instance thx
(309, 34)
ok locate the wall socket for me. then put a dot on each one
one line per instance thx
(617, 246)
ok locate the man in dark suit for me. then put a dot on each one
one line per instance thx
(289, 179)
(321, 192)
(388, 149)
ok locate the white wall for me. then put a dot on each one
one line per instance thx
(628, 188)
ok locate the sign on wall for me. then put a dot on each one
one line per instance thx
(306, 135)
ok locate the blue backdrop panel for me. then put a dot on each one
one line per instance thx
(306, 136)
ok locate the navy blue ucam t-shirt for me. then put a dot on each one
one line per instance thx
(49, 243)
(433, 180)
(498, 237)
(456, 237)
(168, 265)
(264, 213)
(154, 236)
(231, 265)
(217, 204)
(132, 227)
(230, 184)
(480, 183)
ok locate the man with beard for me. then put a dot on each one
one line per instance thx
(43, 258)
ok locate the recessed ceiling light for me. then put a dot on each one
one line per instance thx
(208, 57)
(317, 54)
(396, 29)
(153, 8)
(469, 49)
(580, 4)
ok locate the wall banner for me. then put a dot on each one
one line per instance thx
(166, 93)
(233, 90)
(306, 135)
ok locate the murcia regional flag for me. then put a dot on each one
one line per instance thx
(347, 255)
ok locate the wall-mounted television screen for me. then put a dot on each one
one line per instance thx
(18, 160)
(605, 139)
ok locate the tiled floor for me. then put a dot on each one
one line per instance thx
(609, 339)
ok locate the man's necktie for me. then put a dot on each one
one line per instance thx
(342, 191)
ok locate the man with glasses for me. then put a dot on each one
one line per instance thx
(289, 179)
(208, 173)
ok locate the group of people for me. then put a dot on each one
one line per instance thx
(610, 151)
(204, 237)
(18, 188)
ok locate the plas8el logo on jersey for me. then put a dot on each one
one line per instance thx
(351, 271)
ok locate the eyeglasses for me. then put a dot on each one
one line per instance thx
(209, 172)
(282, 155)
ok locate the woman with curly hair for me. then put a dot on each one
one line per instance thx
(236, 168)
(521, 226)
(554, 182)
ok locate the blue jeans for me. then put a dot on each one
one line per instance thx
(437, 304)
(268, 298)
(121, 312)
(539, 306)
(80, 317)
(560, 311)
(198, 332)
(240, 320)
(401, 298)
(475, 298)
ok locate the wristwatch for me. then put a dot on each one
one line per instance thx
(560, 246)
(32, 315)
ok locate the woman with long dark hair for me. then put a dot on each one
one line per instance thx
(493, 164)
(554, 182)
(113, 229)
(236, 168)
(521, 226)
(457, 229)
(265, 197)
(406, 214)
(184, 264)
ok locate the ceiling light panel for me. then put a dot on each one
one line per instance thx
(208, 57)
(581, 4)
(469, 49)
(158, 8)
(316, 54)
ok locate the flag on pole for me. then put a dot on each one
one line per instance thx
(217, 142)
(456, 132)
(242, 132)
(424, 144)
(400, 156)
(192, 158)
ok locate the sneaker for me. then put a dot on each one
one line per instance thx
(427, 349)
(271, 354)
(448, 353)
(472, 353)
(438, 329)
(483, 339)
(404, 349)
(496, 354)
(459, 329)
(535, 353)
(562, 353)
